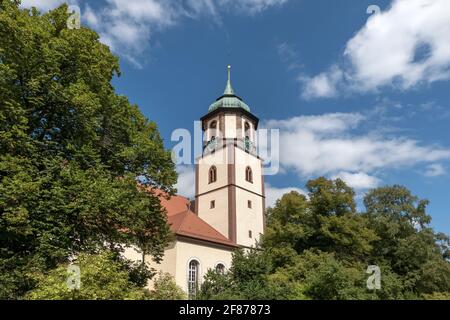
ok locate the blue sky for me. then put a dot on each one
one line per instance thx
(355, 95)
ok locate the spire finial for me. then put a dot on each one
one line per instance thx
(228, 88)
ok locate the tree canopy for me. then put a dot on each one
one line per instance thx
(319, 247)
(71, 151)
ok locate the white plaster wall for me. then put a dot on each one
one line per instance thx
(207, 256)
(219, 159)
(243, 160)
(230, 126)
(168, 264)
(217, 217)
(177, 257)
(248, 219)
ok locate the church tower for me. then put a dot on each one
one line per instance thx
(229, 184)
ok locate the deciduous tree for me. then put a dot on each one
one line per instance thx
(71, 151)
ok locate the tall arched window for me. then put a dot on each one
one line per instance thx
(249, 174)
(213, 129)
(193, 273)
(220, 268)
(247, 130)
(212, 174)
(247, 143)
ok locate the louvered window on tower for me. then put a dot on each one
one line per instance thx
(249, 174)
(212, 174)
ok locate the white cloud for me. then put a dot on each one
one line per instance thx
(329, 122)
(273, 193)
(43, 5)
(139, 10)
(405, 46)
(128, 26)
(289, 55)
(91, 17)
(434, 170)
(195, 8)
(251, 6)
(323, 85)
(333, 145)
(186, 181)
(358, 180)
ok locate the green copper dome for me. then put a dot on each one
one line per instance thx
(228, 99)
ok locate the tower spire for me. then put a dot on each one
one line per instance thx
(228, 88)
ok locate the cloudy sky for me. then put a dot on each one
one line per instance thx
(359, 89)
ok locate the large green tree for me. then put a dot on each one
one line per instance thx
(71, 151)
(319, 247)
(327, 220)
(406, 241)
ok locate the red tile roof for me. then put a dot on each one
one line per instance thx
(175, 204)
(184, 222)
(190, 225)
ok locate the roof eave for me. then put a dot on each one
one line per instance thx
(212, 241)
(231, 110)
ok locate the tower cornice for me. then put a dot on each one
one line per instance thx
(236, 111)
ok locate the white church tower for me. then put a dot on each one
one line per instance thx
(229, 185)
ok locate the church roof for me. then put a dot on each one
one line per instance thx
(184, 222)
(229, 99)
(190, 225)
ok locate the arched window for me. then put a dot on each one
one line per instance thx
(247, 130)
(212, 174)
(193, 272)
(213, 128)
(249, 174)
(220, 268)
(247, 143)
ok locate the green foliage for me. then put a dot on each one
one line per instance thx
(324, 277)
(250, 278)
(218, 286)
(71, 150)
(165, 288)
(330, 197)
(327, 221)
(319, 247)
(407, 244)
(437, 296)
(102, 278)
